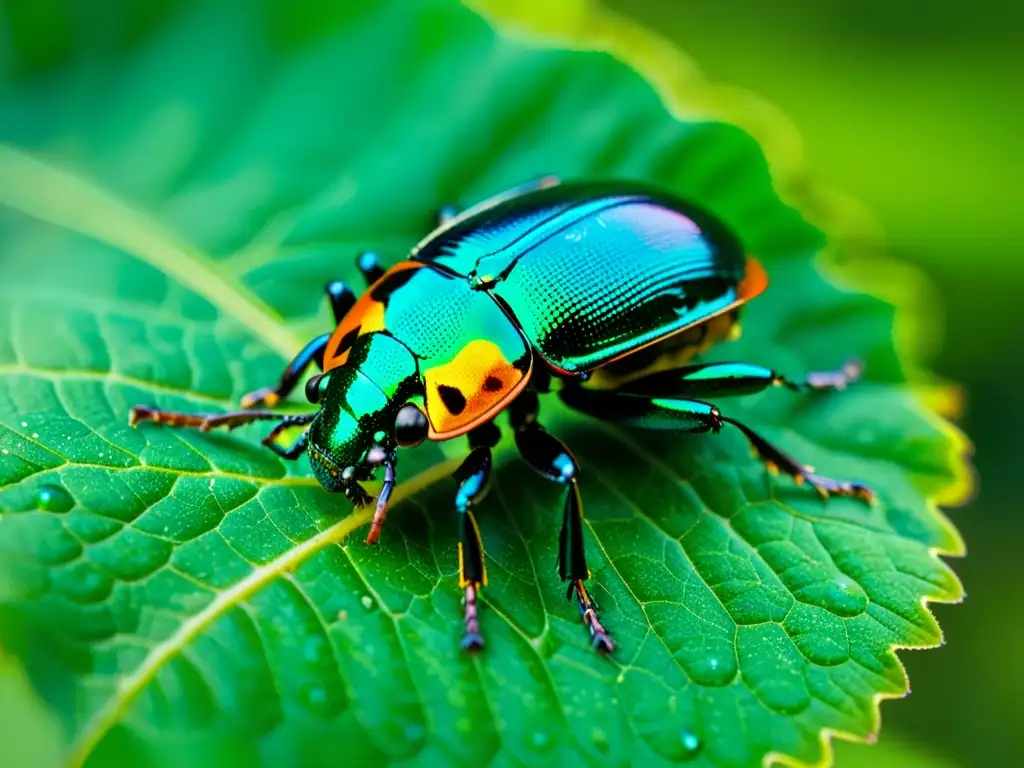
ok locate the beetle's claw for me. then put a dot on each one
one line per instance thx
(265, 397)
(140, 413)
(826, 487)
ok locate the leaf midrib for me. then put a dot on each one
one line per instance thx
(131, 685)
(52, 194)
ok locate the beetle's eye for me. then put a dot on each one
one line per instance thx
(410, 426)
(315, 386)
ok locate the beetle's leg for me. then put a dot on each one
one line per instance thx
(473, 476)
(341, 297)
(445, 214)
(449, 212)
(269, 397)
(727, 379)
(379, 456)
(297, 448)
(203, 421)
(679, 415)
(551, 458)
(369, 266)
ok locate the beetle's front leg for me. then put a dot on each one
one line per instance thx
(379, 456)
(270, 397)
(297, 448)
(204, 422)
(551, 458)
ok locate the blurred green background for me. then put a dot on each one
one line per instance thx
(915, 110)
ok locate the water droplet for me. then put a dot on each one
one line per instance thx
(316, 694)
(710, 668)
(414, 732)
(5, 452)
(24, 424)
(53, 498)
(35, 435)
(367, 602)
(691, 743)
(539, 739)
(600, 740)
(313, 648)
(342, 615)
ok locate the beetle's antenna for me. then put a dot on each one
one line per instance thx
(382, 500)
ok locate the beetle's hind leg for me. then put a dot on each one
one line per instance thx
(676, 412)
(551, 458)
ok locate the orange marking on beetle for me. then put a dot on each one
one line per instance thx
(465, 392)
(366, 316)
(754, 281)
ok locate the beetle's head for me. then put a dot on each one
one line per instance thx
(364, 414)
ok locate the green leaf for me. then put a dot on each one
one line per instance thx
(179, 182)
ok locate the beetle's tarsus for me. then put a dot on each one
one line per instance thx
(826, 488)
(472, 640)
(600, 640)
(204, 422)
(265, 397)
(833, 380)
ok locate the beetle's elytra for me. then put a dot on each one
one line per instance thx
(603, 292)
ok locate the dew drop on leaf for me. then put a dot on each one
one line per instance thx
(367, 602)
(414, 731)
(315, 696)
(53, 498)
(600, 740)
(712, 670)
(540, 739)
(691, 743)
(313, 648)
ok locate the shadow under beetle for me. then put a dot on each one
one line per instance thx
(603, 292)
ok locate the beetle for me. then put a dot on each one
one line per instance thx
(603, 292)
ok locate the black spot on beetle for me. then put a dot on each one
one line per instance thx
(348, 339)
(492, 384)
(382, 292)
(452, 398)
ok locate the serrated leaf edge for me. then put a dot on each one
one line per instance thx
(859, 261)
(31, 185)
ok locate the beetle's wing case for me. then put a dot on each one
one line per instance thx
(594, 272)
(509, 226)
(472, 359)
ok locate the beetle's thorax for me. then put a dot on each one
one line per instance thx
(358, 405)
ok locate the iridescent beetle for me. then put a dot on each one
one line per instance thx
(604, 290)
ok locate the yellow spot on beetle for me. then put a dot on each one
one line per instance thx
(466, 390)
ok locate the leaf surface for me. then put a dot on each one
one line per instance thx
(179, 181)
